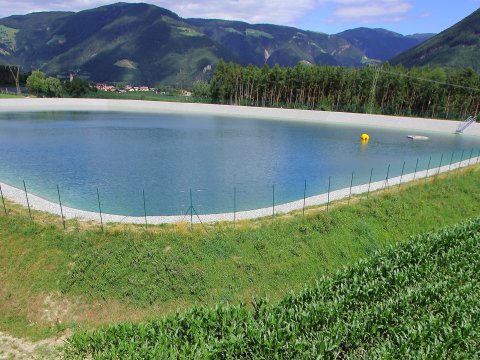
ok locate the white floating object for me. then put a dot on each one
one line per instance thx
(417, 137)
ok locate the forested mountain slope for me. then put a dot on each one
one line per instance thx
(145, 44)
(456, 47)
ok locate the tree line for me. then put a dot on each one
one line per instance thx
(40, 85)
(393, 90)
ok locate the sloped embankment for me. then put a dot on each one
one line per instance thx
(421, 298)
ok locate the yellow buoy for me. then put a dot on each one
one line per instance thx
(365, 137)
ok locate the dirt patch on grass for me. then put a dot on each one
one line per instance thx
(15, 348)
(54, 310)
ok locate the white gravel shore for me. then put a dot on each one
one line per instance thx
(18, 196)
(413, 124)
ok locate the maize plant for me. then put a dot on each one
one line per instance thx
(417, 300)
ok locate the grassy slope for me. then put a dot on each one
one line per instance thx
(455, 47)
(83, 279)
(7, 39)
(417, 300)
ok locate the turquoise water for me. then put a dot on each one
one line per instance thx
(167, 155)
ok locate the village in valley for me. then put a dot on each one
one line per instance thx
(123, 89)
(116, 88)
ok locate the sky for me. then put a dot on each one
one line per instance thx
(328, 16)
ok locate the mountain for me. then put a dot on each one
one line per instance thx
(381, 44)
(271, 44)
(16, 33)
(456, 47)
(421, 37)
(137, 43)
(146, 44)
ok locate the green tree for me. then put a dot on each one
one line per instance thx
(427, 91)
(77, 87)
(36, 83)
(201, 90)
(39, 85)
(54, 87)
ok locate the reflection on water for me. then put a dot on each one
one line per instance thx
(167, 155)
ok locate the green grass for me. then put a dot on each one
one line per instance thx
(83, 279)
(57, 40)
(417, 300)
(232, 30)
(8, 37)
(188, 31)
(258, 33)
(143, 95)
(10, 96)
(127, 64)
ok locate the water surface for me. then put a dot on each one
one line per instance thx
(165, 155)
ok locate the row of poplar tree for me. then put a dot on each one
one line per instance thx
(394, 90)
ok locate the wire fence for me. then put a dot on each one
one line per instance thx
(195, 205)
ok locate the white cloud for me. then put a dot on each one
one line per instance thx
(253, 11)
(368, 11)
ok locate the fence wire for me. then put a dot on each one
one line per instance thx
(240, 201)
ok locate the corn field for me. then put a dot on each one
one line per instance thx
(417, 300)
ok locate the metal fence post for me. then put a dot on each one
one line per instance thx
(415, 173)
(350, 193)
(145, 210)
(428, 167)
(461, 159)
(369, 183)
(100, 209)
(401, 176)
(470, 157)
(440, 166)
(450, 165)
(273, 201)
(191, 210)
(328, 194)
(304, 197)
(234, 206)
(61, 208)
(3, 201)
(28, 203)
(386, 179)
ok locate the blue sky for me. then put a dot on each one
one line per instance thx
(329, 16)
(406, 17)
